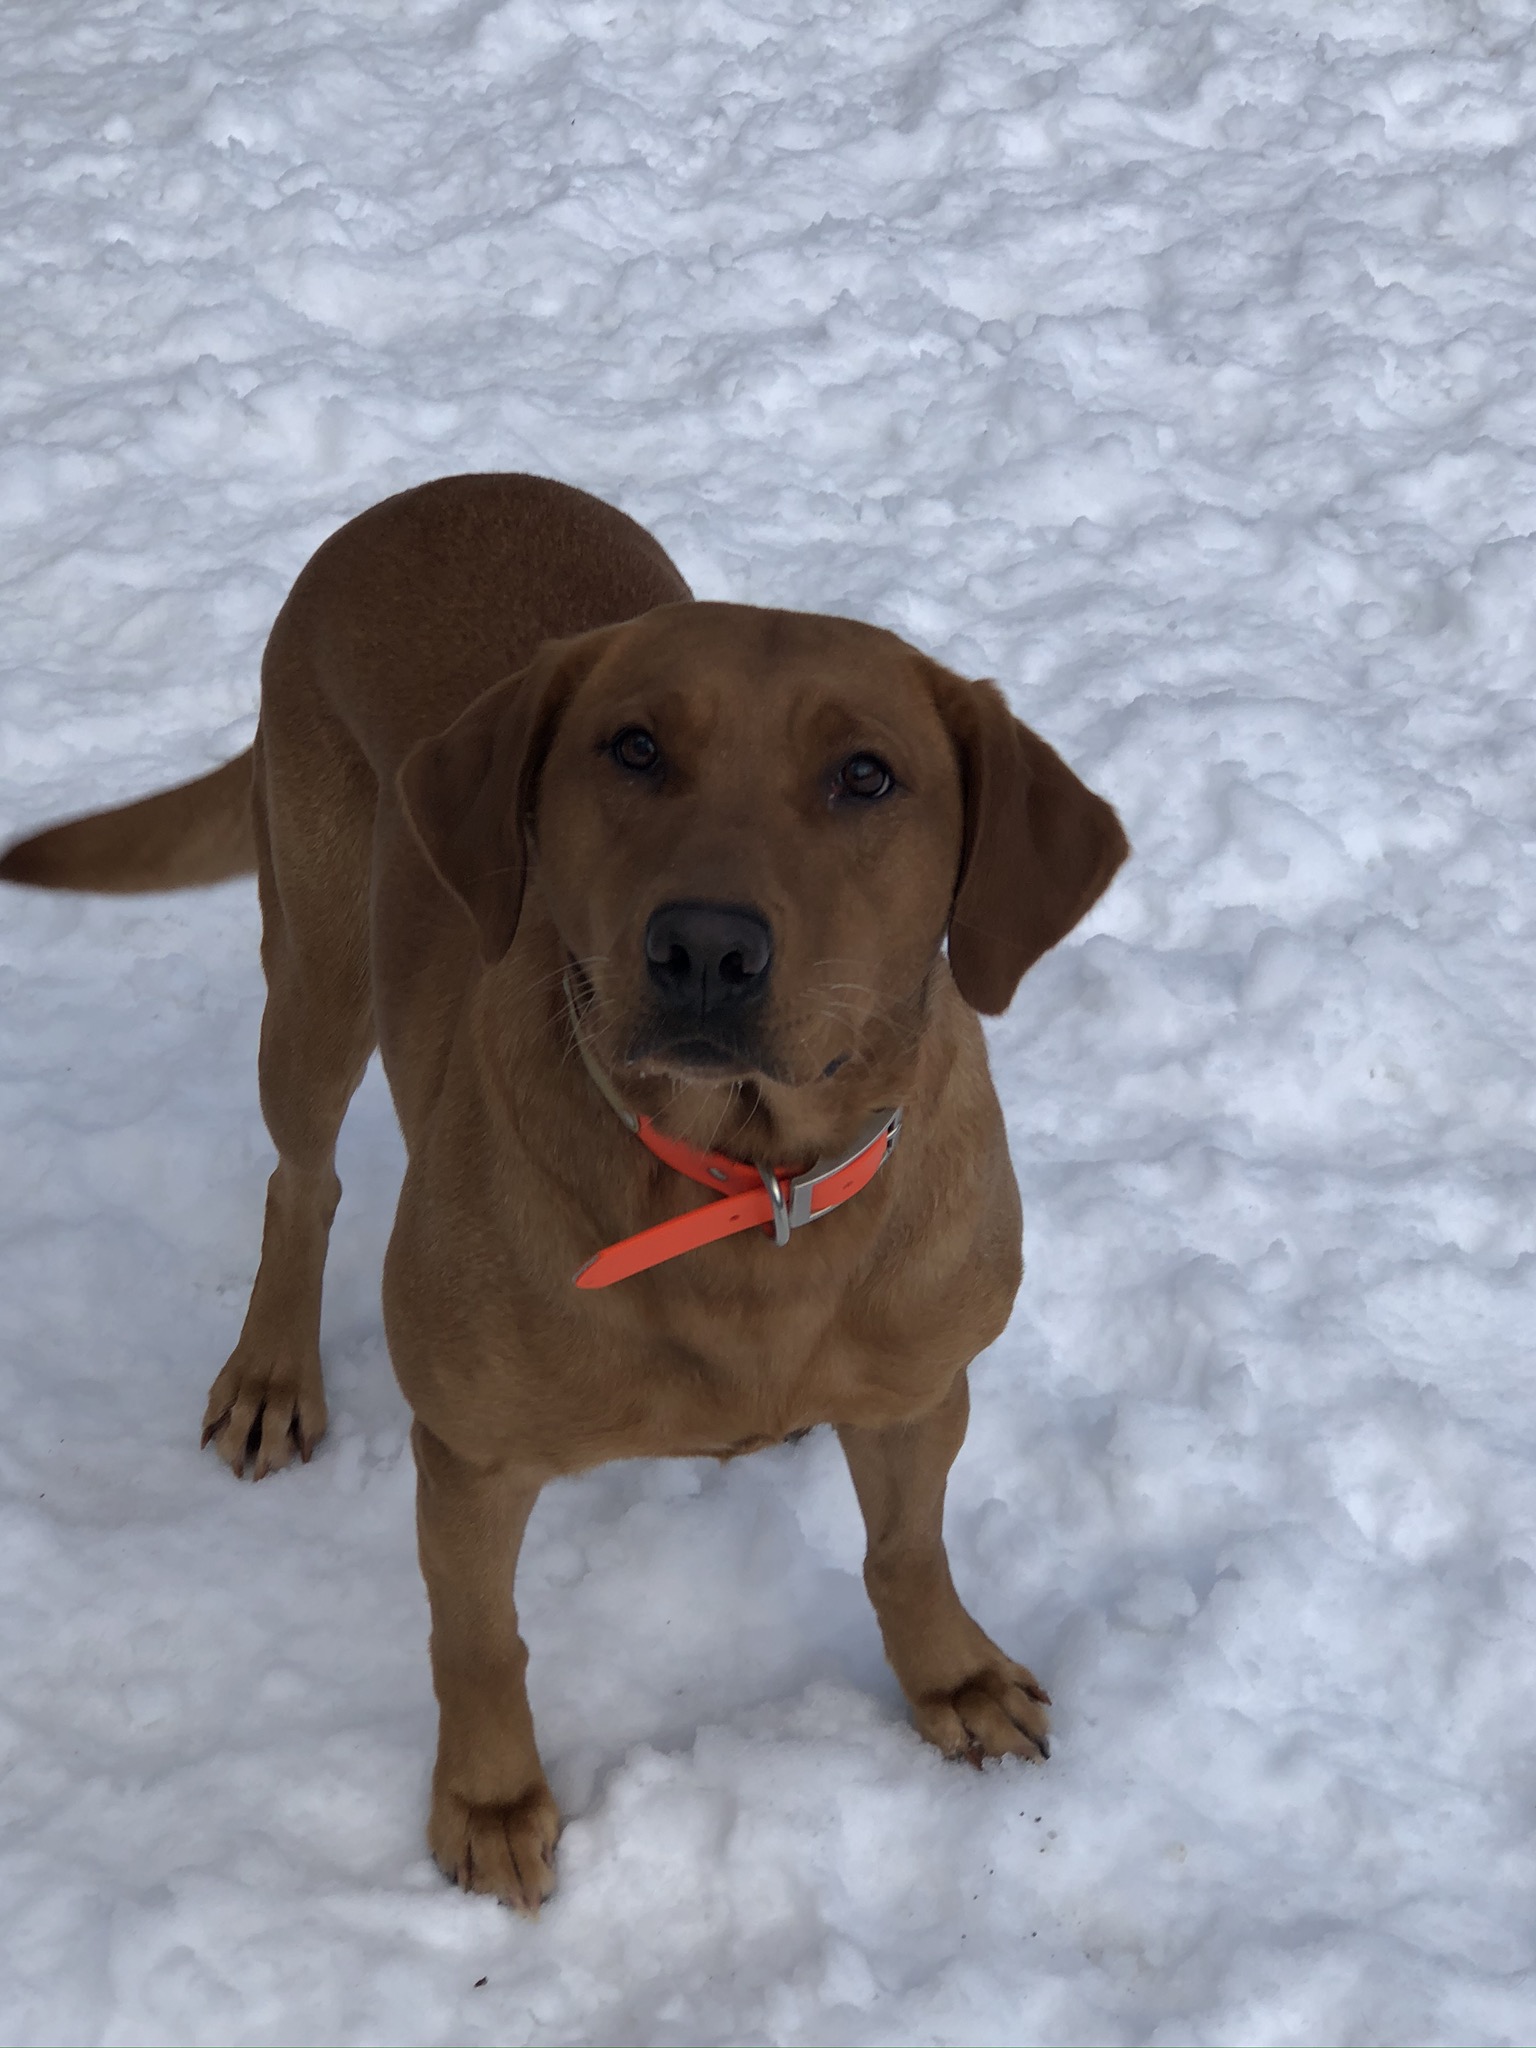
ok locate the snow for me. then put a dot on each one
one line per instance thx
(1175, 364)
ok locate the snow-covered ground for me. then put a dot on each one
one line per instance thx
(1174, 363)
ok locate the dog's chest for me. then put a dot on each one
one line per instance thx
(723, 1392)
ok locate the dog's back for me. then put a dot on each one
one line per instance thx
(400, 620)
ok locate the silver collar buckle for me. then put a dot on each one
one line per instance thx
(794, 1211)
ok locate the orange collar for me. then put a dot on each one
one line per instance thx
(778, 1202)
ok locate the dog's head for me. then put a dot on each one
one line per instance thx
(752, 831)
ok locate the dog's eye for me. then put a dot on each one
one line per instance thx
(865, 776)
(635, 749)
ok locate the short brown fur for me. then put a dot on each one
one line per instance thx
(443, 837)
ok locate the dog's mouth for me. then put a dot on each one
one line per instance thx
(723, 1051)
(706, 1054)
(691, 1054)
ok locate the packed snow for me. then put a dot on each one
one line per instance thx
(1175, 364)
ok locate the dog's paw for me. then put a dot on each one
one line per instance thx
(260, 1414)
(998, 1711)
(508, 1851)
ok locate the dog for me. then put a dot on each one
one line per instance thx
(672, 922)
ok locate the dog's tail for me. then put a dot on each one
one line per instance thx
(180, 838)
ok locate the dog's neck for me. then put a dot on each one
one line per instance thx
(774, 1198)
(751, 1119)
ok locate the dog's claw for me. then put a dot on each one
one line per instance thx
(257, 1418)
(995, 1712)
(516, 1863)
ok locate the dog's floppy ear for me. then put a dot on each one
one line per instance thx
(466, 793)
(1039, 848)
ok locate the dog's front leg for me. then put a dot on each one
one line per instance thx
(494, 1820)
(967, 1697)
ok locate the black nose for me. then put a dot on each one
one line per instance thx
(707, 957)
